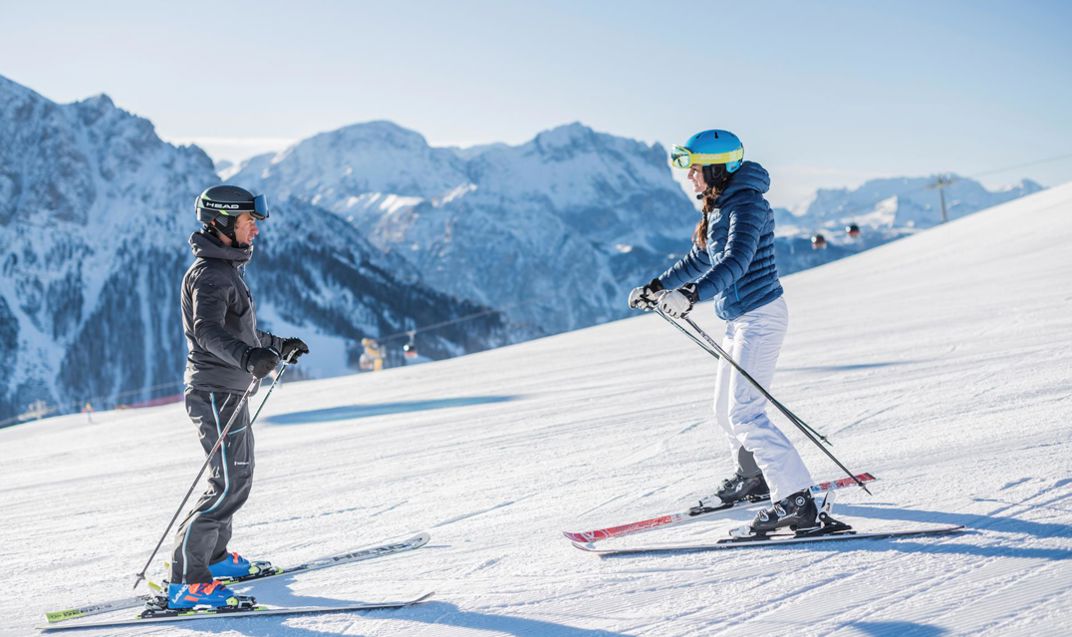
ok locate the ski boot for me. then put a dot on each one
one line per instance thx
(234, 567)
(732, 491)
(799, 513)
(214, 596)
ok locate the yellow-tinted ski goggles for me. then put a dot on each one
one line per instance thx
(681, 157)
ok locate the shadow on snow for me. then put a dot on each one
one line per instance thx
(844, 368)
(439, 613)
(351, 412)
(896, 629)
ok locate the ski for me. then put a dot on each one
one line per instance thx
(256, 611)
(693, 515)
(731, 543)
(360, 555)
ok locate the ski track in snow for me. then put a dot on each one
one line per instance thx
(939, 362)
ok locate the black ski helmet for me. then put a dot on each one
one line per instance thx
(219, 206)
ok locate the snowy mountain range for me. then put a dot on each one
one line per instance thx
(553, 232)
(886, 209)
(95, 212)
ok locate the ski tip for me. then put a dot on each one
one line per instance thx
(953, 528)
(422, 598)
(587, 548)
(61, 615)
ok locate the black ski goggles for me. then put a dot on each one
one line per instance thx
(260, 207)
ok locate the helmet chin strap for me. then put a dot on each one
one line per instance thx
(710, 191)
(229, 232)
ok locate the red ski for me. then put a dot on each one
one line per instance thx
(772, 540)
(692, 515)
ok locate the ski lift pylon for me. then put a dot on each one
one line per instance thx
(409, 350)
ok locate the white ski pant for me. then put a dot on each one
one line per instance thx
(754, 340)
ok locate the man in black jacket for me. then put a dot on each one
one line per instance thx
(226, 353)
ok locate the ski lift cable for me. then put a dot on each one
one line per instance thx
(1023, 165)
(461, 319)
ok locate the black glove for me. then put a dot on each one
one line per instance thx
(293, 348)
(260, 361)
(679, 303)
(646, 296)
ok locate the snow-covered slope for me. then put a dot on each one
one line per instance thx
(95, 211)
(940, 363)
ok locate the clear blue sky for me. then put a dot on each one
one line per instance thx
(824, 94)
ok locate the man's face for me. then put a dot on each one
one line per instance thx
(246, 229)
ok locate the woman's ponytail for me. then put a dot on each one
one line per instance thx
(699, 235)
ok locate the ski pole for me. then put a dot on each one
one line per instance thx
(797, 420)
(275, 382)
(208, 459)
(807, 430)
(252, 420)
(793, 417)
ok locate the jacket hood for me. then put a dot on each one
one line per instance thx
(206, 246)
(750, 176)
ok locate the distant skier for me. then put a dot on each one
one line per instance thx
(732, 261)
(225, 347)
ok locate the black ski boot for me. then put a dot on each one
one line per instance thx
(732, 491)
(798, 512)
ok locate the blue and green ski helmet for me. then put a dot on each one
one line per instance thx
(708, 148)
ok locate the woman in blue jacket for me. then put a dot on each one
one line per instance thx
(732, 262)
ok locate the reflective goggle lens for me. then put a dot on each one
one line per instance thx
(680, 157)
(260, 207)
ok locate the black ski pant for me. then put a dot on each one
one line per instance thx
(203, 536)
(746, 464)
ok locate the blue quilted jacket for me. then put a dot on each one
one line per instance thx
(737, 269)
